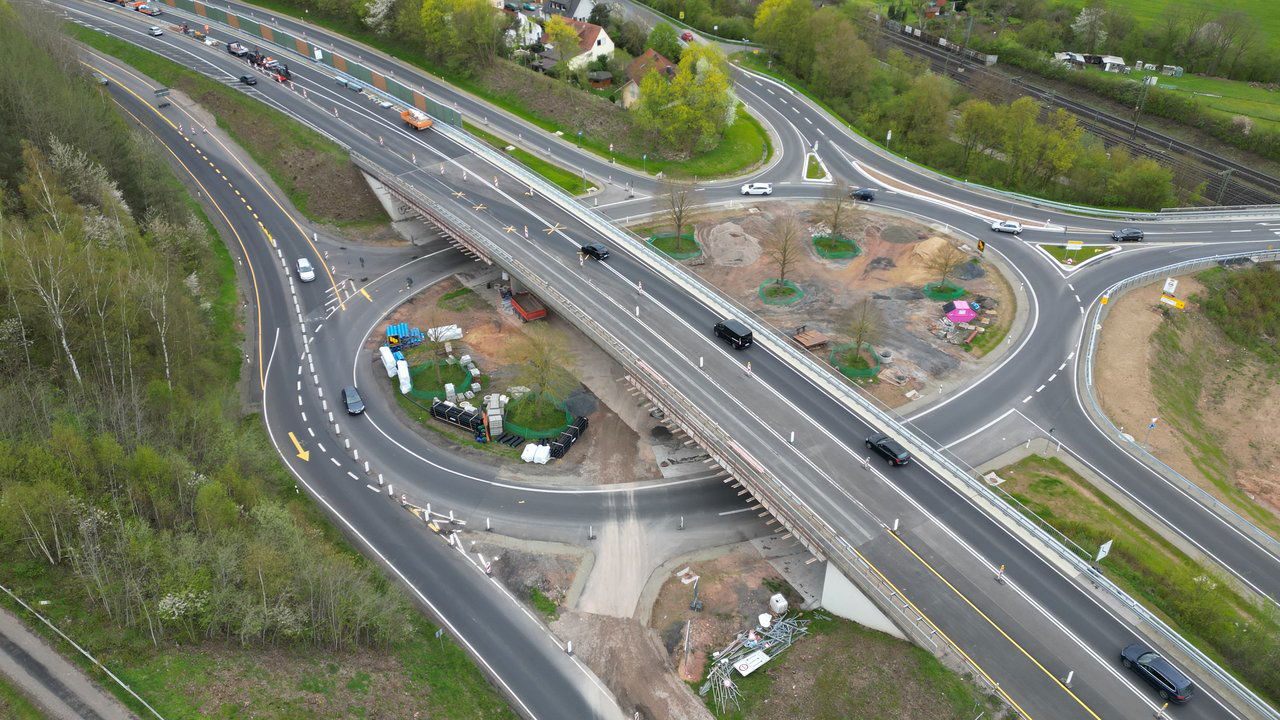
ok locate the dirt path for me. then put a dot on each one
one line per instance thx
(49, 680)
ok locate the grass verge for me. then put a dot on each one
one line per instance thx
(570, 182)
(14, 705)
(1193, 599)
(543, 604)
(315, 174)
(1062, 253)
(843, 670)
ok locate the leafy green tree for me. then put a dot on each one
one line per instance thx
(776, 24)
(663, 40)
(978, 129)
(601, 14)
(920, 116)
(843, 70)
(562, 36)
(692, 110)
(1144, 184)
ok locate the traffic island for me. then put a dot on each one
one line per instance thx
(1075, 254)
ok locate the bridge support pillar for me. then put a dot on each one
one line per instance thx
(841, 597)
(396, 209)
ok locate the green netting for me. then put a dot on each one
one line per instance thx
(942, 293)
(836, 358)
(837, 247)
(427, 395)
(529, 433)
(785, 299)
(661, 241)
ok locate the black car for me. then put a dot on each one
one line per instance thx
(734, 333)
(1128, 235)
(1168, 680)
(863, 194)
(248, 80)
(595, 250)
(889, 449)
(351, 396)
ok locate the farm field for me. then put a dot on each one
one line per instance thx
(1230, 96)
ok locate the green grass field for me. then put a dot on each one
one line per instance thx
(14, 705)
(1062, 254)
(1232, 97)
(566, 180)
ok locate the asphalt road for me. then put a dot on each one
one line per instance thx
(1076, 633)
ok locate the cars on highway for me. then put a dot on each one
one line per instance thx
(863, 194)
(155, 31)
(735, 333)
(351, 398)
(1007, 226)
(306, 273)
(757, 189)
(1128, 235)
(889, 449)
(595, 250)
(1168, 680)
(248, 80)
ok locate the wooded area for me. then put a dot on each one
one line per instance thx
(128, 476)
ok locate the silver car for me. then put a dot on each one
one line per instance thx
(1007, 226)
(306, 273)
(757, 189)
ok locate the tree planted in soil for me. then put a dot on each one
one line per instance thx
(837, 210)
(543, 360)
(945, 261)
(782, 244)
(865, 323)
(675, 201)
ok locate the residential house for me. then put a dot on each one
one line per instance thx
(593, 42)
(526, 32)
(638, 68)
(579, 10)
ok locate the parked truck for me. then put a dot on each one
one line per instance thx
(237, 49)
(415, 119)
(527, 306)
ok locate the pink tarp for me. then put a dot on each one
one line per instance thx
(959, 311)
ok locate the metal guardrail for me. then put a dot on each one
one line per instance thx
(1135, 448)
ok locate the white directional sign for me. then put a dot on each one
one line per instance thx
(1170, 285)
(1103, 550)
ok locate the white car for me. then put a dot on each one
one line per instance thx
(1008, 226)
(757, 189)
(157, 32)
(306, 273)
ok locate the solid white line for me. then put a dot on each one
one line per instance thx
(735, 512)
(979, 430)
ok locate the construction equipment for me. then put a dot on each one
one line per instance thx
(527, 306)
(415, 119)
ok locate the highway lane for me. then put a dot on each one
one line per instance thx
(646, 283)
(504, 637)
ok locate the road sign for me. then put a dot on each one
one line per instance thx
(982, 245)
(1170, 285)
(1103, 550)
(1175, 302)
(1075, 244)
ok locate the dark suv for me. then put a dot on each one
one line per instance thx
(889, 449)
(595, 250)
(1128, 235)
(734, 333)
(351, 397)
(1168, 680)
(863, 194)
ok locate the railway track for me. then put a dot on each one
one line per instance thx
(1226, 182)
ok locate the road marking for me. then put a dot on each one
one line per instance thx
(1060, 367)
(353, 475)
(1077, 298)
(1081, 309)
(304, 416)
(299, 385)
(1051, 377)
(321, 446)
(303, 455)
(311, 432)
(365, 293)
(1071, 355)
(1025, 399)
(335, 462)
(372, 488)
(735, 512)
(299, 401)
(1249, 230)
(1071, 287)
(808, 120)
(1039, 388)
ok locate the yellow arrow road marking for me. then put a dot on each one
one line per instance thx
(304, 454)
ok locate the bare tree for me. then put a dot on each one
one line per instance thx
(543, 359)
(837, 209)
(675, 201)
(865, 323)
(945, 261)
(47, 261)
(782, 245)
